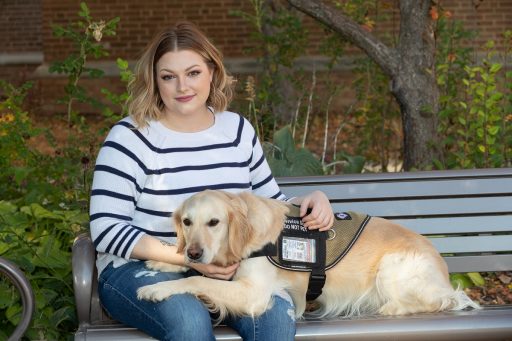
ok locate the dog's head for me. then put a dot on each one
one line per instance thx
(223, 228)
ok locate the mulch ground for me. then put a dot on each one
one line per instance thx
(496, 291)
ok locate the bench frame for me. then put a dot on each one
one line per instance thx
(457, 202)
(22, 284)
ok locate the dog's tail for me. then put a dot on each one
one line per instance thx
(417, 282)
(459, 300)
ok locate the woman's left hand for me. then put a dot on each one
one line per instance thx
(321, 216)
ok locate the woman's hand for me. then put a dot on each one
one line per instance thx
(321, 216)
(149, 247)
(215, 271)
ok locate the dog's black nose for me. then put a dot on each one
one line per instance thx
(194, 253)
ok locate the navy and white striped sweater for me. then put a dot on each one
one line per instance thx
(142, 176)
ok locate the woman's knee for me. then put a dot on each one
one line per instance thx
(275, 324)
(186, 318)
(282, 313)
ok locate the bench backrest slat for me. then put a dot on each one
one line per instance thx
(480, 263)
(464, 224)
(426, 188)
(429, 207)
(469, 244)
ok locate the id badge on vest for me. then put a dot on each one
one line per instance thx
(297, 246)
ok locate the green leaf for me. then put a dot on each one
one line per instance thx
(493, 130)
(39, 212)
(84, 10)
(496, 97)
(21, 173)
(283, 139)
(13, 313)
(61, 315)
(6, 296)
(495, 68)
(303, 163)
(7, 207)
(461, 281)
(476, 278)
(278, 167)
(122, 64)
(355, 164)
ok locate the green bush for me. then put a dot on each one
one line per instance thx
(38, 241)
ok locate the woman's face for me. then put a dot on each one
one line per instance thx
(183, 80)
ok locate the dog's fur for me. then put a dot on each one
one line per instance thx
(390, 270)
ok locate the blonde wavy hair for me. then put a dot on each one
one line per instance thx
(145, 103)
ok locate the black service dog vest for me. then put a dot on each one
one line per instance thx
(314, 251)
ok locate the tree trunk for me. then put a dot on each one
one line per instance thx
(410, 66)
(414, 84)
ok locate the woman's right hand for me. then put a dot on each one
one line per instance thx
(215, 271)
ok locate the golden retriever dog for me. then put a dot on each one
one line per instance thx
(390, 270)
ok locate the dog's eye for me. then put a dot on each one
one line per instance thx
(187, 222)
(213, 222)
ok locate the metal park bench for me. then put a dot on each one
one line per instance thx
(467, 214)
(20, 281)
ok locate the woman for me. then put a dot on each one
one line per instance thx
(178, 140)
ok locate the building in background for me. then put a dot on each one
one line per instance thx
(28, 47)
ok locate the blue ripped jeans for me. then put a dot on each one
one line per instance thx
(181, 317)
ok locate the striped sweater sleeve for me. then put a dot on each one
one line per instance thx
(119, 175)
(262, 180)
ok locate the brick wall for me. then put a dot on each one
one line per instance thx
(489, 17)
(20, 25)
(27, 45)
(20, 39)
(141, 19)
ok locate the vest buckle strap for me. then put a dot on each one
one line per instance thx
(316, 284)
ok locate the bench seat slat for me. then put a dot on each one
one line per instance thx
(466, 325)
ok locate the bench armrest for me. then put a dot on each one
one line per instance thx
(16, 276)
(83, 262)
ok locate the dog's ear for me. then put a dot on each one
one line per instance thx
(176, 216)
(240, 231)
(278, 211)
(266, 214)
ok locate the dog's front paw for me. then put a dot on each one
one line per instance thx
(154, 292)
(165, 267)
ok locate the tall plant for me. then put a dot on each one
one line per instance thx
(86, 35)
(475, 113)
